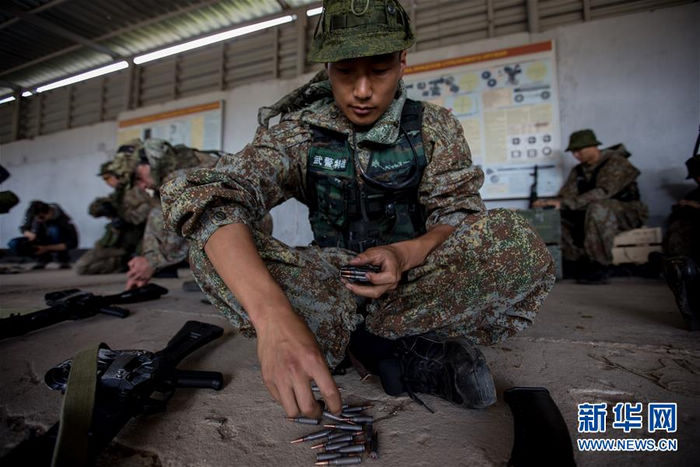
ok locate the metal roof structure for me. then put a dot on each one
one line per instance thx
(45, 40)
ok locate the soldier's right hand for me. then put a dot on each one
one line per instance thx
(290, 360)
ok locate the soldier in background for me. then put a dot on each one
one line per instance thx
(599, 199)
(127, 209)
(682, 247)
(7, 198)
(46, 231)
(389, 182)
(161, 249)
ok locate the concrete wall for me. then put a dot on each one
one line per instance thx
(61, 168)
(634, 79)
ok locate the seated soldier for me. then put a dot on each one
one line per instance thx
(162, 250)
(46, 231)
(682, 246)
(127, 208)
(389, 182)
(599, 199)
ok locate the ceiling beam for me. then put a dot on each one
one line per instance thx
(59, 31)
(39, 9)
(131, 27)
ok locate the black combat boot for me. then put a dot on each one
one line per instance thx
(593, 273)
(453, 369)
(681, 274)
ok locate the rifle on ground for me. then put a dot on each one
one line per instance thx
(128, 383)
(76, 304)
(541, 436)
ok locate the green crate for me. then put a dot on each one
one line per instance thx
(546, 222)
(555, 251)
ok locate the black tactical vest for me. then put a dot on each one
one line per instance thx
(378, 207)
(628, 193)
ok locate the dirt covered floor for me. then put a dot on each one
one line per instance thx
(622, 342)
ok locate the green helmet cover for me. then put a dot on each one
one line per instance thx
(360, 28)
(582, 139)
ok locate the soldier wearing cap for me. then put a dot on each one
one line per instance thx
(389, 182)
(161, 249)
(599, 199)
(127, 208)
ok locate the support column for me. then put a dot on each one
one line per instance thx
(301, 24)
(533, 17)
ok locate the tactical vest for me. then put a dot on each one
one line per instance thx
(378, 207)
(628, 193)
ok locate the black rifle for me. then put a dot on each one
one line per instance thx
(533, 189)
(76, 304)
(541, 436)
(129, 383)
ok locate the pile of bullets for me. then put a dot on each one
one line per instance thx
(345, 439)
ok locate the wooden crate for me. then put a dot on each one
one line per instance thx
(634, 246)
(641, 236)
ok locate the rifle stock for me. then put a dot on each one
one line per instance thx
(127, 380)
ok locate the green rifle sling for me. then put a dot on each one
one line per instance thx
(72, 444)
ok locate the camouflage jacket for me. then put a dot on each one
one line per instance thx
(162, 246)
(243, 187)
(616, 173)
(128, 210)
(132, 205)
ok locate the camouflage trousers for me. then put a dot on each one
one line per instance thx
(683, 233)
(102, 260)
(590, 233)
(485, 282)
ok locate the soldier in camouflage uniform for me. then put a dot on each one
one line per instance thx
(599, 199)
(681, 267)
(160, 248)
(388, 182)
(127, 207)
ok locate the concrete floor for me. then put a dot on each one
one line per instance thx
(622, 342)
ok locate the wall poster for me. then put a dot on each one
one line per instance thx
(507, 103)
(198, 126)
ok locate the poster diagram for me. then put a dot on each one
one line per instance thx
(199, 126)
(507, 104)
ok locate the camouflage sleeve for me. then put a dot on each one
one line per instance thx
(162, 247)
(450, 186)
(241, 188)
(96, 208)
(135, 206)
(617, 173)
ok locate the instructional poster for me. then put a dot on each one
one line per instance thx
(198, 126)
(507, 103)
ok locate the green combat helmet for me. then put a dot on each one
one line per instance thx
(360, 28)
(165, 159)
(125, 162)
(105, 169)
(582, 139)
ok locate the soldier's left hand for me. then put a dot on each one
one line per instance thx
(389, 259)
